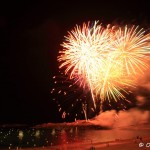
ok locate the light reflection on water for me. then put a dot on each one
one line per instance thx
(13, 138)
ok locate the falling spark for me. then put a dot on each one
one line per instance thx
(64, 115)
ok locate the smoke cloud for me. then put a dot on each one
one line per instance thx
(134, 116)
(130, 117)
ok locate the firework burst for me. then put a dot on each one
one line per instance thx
(131, 50)
(128, 59)
(105, 61)
(84, 48)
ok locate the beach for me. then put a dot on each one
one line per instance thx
(128, 144)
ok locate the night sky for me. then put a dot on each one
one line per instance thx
(31, 34)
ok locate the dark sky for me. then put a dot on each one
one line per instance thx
(31, 34)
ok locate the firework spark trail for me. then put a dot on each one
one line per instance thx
(106, 61)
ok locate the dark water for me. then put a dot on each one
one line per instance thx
(31, 137)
